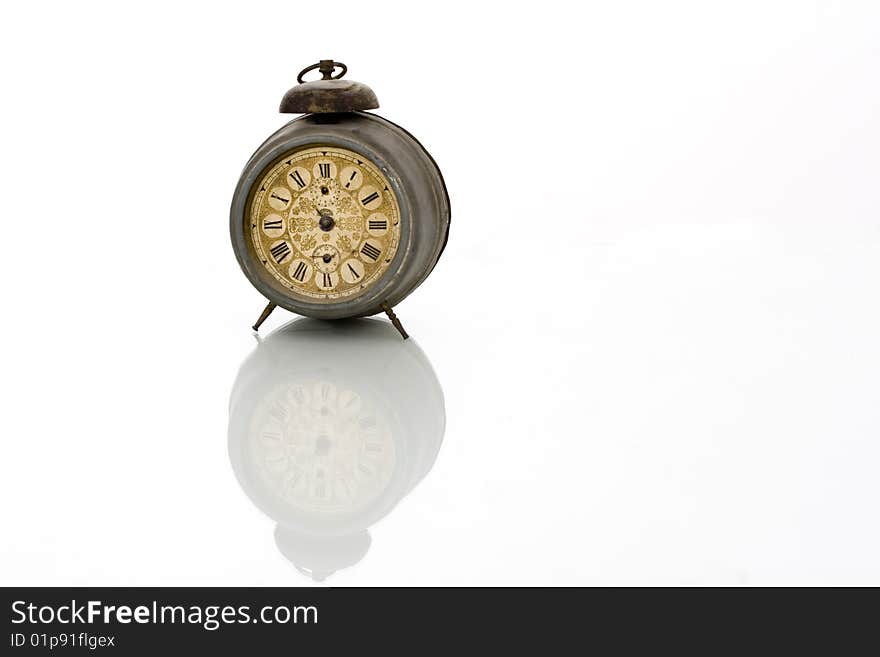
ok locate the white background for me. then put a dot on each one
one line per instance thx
(656, 325)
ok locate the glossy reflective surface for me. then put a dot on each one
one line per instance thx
(331, 425)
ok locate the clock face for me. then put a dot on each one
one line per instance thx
(321, 449)
(324, 222)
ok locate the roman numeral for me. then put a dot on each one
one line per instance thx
(370, 251)
(380, 224)
(369, 199)
(351, 177)
(279, 412)
(280, 252)
(297, 178)
(324, 168)
(300, 272)
(281, 198)
(353, 271)
(328, 280)
(294, 480)
(269, 225)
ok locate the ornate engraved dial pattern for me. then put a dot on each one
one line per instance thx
(324, 223)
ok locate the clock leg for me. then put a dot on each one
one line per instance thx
(394, 321)
(266, 312)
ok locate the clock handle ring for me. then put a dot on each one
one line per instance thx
(326, 68)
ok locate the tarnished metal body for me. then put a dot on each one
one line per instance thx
(334, 117)
(417, 184)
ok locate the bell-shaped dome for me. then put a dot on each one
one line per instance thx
(328, 95)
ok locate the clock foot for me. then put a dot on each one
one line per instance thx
(394, 321)
(266, 312)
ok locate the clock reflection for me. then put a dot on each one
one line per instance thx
(331, 424)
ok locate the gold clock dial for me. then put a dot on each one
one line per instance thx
(324, 222)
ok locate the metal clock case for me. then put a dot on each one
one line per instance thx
(340, 213)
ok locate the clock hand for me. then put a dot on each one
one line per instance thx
(325, 221)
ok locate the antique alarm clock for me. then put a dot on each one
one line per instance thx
(340, 213)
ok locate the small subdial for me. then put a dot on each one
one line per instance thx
(326, 258)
